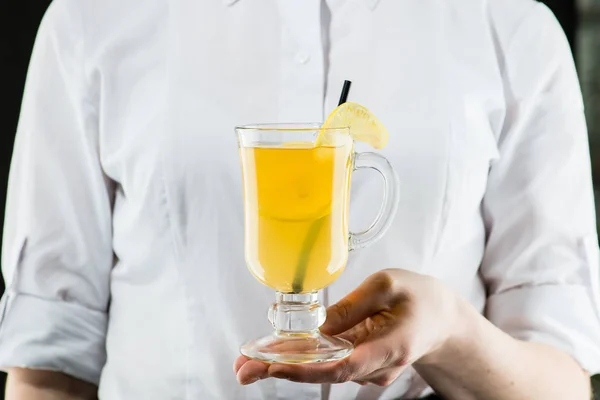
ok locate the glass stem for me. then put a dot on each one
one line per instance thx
(297, 314)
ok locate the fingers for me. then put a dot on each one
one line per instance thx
(377, 361)
(237, 364)
(330, 372)
(250, 371)
(369, 298)
(363, 361)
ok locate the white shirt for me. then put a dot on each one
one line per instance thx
(124, 241)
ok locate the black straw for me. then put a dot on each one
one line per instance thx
(345, 92)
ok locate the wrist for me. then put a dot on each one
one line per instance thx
(461, 327)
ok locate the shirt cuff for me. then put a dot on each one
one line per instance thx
(559, 315)
(52, 335)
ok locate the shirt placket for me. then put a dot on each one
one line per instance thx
(302, 75)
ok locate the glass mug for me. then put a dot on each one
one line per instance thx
(296, 201)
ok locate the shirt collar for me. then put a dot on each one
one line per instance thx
(372, 4)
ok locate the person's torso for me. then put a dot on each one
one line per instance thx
(174, 78)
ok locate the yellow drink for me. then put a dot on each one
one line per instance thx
(296, 194)
(296, 210)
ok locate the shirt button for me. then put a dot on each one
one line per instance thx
(302, 57)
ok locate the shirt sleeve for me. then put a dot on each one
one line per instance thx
(541, 261)
(57, 252)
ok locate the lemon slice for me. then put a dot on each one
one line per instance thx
(364, 126)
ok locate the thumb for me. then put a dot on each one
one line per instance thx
(368, 299)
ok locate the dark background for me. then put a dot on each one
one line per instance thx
(19, 20)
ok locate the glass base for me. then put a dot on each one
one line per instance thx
(297, 348)
(296, 338)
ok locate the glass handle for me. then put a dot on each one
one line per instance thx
(389, 205)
